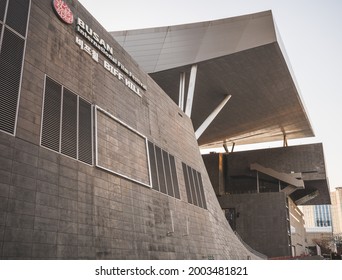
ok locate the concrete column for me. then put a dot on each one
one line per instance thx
(191, 90)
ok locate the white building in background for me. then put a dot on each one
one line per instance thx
(336, 210)
(318, 224)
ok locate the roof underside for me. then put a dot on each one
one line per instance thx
(238, 56)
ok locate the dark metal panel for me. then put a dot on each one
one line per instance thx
(17, 15)
(85, 153)
(154, 171)
(192, 186)
(198, 188)
(69, 124)
(186, 181)
(51, 115)
(11, 57)
(2, 9)
(161, 174)
(202, 190)
(174, 176)
(167, 169)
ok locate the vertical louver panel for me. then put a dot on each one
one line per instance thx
(168, 174)
(154, 173)
(2, 9)
(51, 115)
(202, 190)
(197, 185)
(85, 148)
(187, 182)
(11, 57)
(69, 124)
(17, 15)
(174, 176)
(163, 171)
(161, 175)
(192, 186)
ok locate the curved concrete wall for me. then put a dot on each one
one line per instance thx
(56, 207)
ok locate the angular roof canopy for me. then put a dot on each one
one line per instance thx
(242, 57)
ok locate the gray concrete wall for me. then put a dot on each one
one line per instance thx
(55, 207)
(308, 159)
(261, 221)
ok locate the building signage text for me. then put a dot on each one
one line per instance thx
(107, 50)
(109, 67)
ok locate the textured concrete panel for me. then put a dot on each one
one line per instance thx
(55, 207)
(121, 150)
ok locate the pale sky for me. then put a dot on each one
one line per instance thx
(311, 31)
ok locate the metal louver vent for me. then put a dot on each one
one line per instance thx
(160, 167)
(163, 171)
(11, 57)
(198, 191)
(174, 176)
(168, 177)
(52, 115)
(154, 174)
(194, 186)
(17, 14)
(69, 124)
(85, 132)
(187, 183)
(2, 9)
(204, 203)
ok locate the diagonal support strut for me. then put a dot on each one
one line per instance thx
(211, 117)
(191, 90)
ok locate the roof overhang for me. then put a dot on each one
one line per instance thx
(242, 57)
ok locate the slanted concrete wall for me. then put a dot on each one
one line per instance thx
(261, 221)
(56, 207)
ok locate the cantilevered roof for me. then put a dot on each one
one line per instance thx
(242, 57)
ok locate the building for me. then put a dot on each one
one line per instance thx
(336, 209)
(318, 216)
(336, 213)
(231, 76)
(98, 161)
(319, 227)
(91, 165)
(263, 188)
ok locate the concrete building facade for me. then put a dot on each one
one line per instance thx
(336, 210)
(318, 226)
(261, 190)
(100, 137)
(96, 161)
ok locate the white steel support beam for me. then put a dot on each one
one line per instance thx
(211, 117)
(181, 91)
(191, 90)
(285, 141)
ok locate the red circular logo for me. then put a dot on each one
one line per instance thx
(63, 11)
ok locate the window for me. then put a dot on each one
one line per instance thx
(163, 171)
(13, 29)
(194, 186)
(66, 122)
